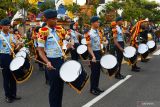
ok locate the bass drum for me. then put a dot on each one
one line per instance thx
(74, 76)
(152, 46)
(143, 50)
(21, 69)
(110, 63)
(130, 55)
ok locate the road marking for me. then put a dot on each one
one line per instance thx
(96, 99)
(157, 52)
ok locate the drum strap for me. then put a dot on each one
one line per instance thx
(56, 42)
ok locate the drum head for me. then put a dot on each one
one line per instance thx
(70, 71)
(129, 52)
(25, 50)
(151, 44)
(21, 54)
(142, 48)
(108, 61)
(83, 41)
(81, 49)
(16, 63)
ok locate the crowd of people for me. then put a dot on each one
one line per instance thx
(51, 44)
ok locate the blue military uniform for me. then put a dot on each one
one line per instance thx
(95, 45)
(119, 53)
(74, 36)
(9, 83)
(54, 54)
(95, 67)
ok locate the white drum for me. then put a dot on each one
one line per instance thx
(70, 71)
(151, 45)
(21, 54)
(110, 63)
(82, 50)
(25, 50)
(21, 69)
(130, 54)
(83, 41)
(73, 73)
(16, 63)
(143, 50)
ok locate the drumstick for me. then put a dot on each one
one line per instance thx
(41, 62)
(88, 60)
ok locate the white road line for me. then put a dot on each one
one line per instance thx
(157, 52)
(96, 99)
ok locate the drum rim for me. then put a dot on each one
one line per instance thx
(108, 67)
(151, 41)
(81, 52)
(20, 63)
(21, 52)
(144, 45)
(83, 41)
(130, 55)
(60, 71)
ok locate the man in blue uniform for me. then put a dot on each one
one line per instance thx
(53, 58)
(95, 52)
(119, 45)
(6, 43)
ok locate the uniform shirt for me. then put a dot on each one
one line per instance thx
(119, 34)
(51, 47)
(4, 48)
(95, 40)
(74, 36)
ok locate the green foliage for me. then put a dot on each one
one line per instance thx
(49, 4)
(73, 8)
(2, 14)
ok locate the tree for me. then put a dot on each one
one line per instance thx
(48, 4)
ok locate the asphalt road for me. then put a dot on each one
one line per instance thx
(141, 90)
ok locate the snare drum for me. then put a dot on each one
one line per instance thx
(74, 75)
(82, 50)
(143, 50)
(110, 63)
(25, 50)
(130, 54)
(21, 69)
(83, 41)
(151, 45)
(21, 54)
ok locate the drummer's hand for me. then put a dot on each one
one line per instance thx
(49, 66)
(94, 59)
(122, 50)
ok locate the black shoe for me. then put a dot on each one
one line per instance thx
(138, 67)
(144, 60)
(95, 92)
(9, 100)
(47, 82)
(119, 76)
(16, 98)
(135, 70)
(99, 90)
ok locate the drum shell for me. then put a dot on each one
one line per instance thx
(132, 60)
(113, 71)
(153, 49)
(145, 54)
(80, 82)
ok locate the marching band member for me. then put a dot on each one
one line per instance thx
(74, 39)
(94, 48)
(119, 45)
(51, 45)
(7, 43)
